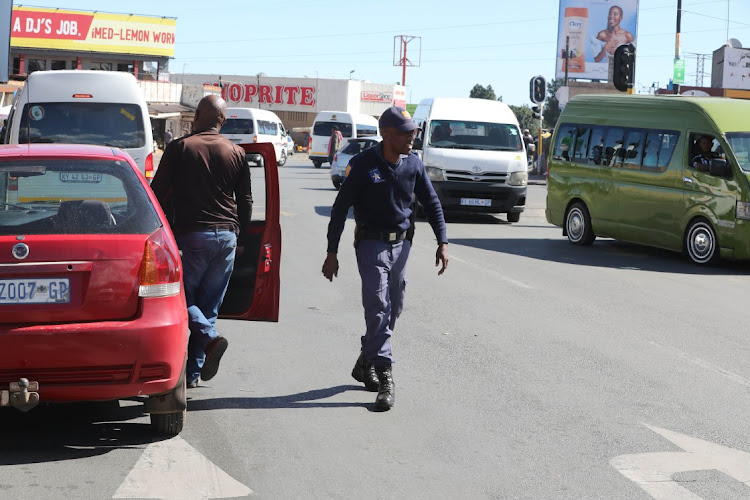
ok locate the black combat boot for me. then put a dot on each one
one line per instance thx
(387, 390)
(364, 372)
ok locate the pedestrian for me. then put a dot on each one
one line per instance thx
(203, 173)
(167, 137)
(381, 185)
(334, 143)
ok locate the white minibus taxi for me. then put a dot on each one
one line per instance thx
(84, 107)
(249, 125)
(349, 124)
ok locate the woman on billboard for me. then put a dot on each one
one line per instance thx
(614, 35)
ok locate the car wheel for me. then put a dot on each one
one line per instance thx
(514, 216)
(578, 225)
(337, 185)
(317, 163)
(700, 242)
(282, 160)
(168, 423)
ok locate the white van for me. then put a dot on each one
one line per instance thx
(248, 125)
(349, 124)
(474, 155)
(84, 107)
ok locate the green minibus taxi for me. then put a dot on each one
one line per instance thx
(665, 171)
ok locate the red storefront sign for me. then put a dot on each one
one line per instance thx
(267, 94)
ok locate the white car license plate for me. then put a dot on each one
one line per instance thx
(475, 202)
(35, 291)
(80, 177)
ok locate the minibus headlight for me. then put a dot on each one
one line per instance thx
(743, 210)
(435, 174)
(518, 179)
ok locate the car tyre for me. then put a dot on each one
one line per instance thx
(578, 225)
(337, 185)
(514, 216)
(317, 163)
(170, 424)
(282, 159)
(700, 242)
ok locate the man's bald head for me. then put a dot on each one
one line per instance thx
(211, 113)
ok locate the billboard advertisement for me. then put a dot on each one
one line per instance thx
(592, 30)
(81, 31)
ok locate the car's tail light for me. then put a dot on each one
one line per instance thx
(335, 158)
(150, 166)
(160, 267)
(255, 138)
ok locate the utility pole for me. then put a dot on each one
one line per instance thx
(402, 60)
(677, 41)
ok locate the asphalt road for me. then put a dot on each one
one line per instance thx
(532, 369)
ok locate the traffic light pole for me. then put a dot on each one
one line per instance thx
(676, 86)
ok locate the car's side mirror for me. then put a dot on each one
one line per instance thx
(719, 168)
(417, 143)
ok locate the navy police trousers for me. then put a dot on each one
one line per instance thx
(382, 267)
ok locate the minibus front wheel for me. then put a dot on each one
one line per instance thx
(578, 225)
(700, 242)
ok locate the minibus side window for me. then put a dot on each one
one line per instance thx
(596, 151)
(580, 151)
(565, 136)
(666, 148)
(613, 145)
(633, 149)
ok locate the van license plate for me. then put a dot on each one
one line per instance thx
(475, 202)
(35, 291)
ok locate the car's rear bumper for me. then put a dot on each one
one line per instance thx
(100, 360)
(504, 198)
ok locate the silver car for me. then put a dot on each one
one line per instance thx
(351, 147)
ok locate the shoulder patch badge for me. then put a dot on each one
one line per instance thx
(348, 169)
(375, 175)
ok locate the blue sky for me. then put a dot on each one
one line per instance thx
(500, 43)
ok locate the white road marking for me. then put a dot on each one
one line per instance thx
(705, 364)
(173, 469)
(653, 471)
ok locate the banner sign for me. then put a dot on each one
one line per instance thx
(592, 30)
(81, 31)
(370, 96)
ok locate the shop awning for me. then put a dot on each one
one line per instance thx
(161, 111)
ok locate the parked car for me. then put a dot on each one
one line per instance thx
(289, 145)
(92, 305)
(351, 147)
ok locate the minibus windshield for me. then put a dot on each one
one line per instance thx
(455, 134)
(740, 144)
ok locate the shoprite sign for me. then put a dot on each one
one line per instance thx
(76, 30)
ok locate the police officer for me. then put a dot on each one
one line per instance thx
(381, 184)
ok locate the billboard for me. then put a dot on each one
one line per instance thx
(731, 68)
(81, 31)
(593, 29)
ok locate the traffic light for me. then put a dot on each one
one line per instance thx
(536, 112)
(624, 67)
(537, 89)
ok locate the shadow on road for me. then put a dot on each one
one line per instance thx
(70, 431)
(307, 399)
(603, 253)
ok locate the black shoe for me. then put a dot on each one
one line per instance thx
(364, 372)
(192, 385)
(214, 352)
(387, 390)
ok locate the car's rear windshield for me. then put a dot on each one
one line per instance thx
(237, 126)
(82, 122)
(326, 128)
(73, 196)
(356, 147)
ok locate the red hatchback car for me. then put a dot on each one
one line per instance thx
(91, 299)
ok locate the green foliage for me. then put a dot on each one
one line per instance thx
(551, 110)
(525, 119)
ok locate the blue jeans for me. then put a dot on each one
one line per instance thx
(207, 264)
(382, 267)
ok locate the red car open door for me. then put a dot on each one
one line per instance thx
(253, 292)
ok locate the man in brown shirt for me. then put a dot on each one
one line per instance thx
(202, 174)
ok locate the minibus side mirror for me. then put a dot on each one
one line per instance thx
(719, 168)
(417, 143)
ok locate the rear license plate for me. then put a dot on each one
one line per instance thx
(475, 202)
(80, 177)
(35, 291)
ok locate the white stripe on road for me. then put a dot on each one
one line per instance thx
(507, 279)
(173, 469)
(704, 364)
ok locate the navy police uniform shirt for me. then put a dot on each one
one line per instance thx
(381, 194)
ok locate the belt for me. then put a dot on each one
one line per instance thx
(368, 234)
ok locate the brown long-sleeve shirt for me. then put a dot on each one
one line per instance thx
(202, 174)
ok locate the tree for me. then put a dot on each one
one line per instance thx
(480, 92)
(551, 111)
(525, 119)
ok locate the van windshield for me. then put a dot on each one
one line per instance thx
(237, 126)
(454, 134)
(740, 144)
(101, 123)
(326, 128)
